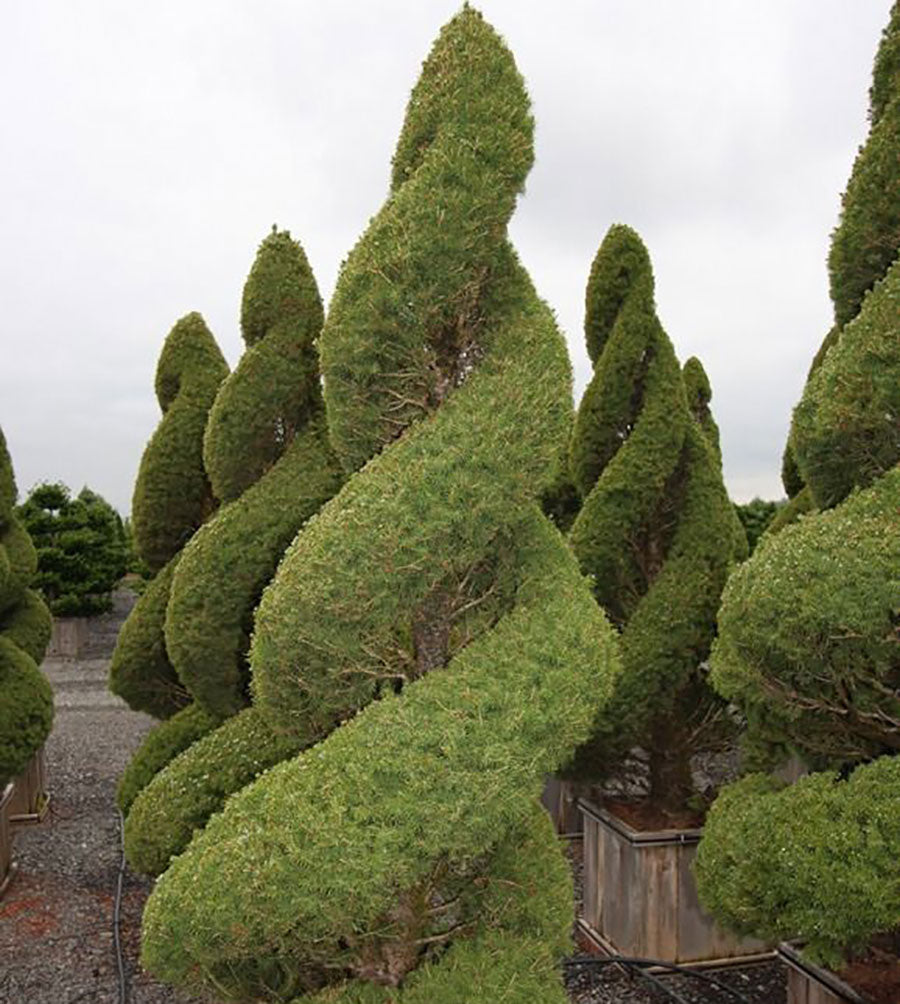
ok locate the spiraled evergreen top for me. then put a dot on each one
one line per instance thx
(274, 389)
(867, 239)
(656, 532)
(171, 494)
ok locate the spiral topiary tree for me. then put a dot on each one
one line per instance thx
(171, 499)
(866, 241)
(427, 635)
(808, 645)
(656, 532)
(270, 462)
(26, 700)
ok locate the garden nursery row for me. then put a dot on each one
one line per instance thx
(413, 628)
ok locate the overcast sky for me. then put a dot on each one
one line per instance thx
(147, 148)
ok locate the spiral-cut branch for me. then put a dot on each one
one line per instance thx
(171, 499)
(427, 634)
(656, 532)
(26, 700)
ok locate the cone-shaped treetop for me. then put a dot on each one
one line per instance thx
(172, 496)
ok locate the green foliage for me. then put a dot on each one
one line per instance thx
(807, 642)
(427, 638)
(140, 671)
(819, 860)
(182, 797)
(81, 549)
(267, 423)
(846, 429)
(755, 517)
(656, 532)
(161, 745)
(26, 700)
(26, 709)
(867, 239)
(172, 496)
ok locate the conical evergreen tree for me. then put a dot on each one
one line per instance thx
(656, 532)
(403, 856)
(270, 463)
(171, 499)
(26, 700)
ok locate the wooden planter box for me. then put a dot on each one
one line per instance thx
(69, 638)
(640, 898)
(811, 984)
(6, 862)
(30, 801)
(560, 799)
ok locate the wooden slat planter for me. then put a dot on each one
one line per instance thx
(69, 638)
(7, 868)
(560, 799)
(640, 898)
(30, 800)
(811, 984)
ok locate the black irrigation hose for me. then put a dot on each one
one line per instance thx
(642, 964)
(117, 910)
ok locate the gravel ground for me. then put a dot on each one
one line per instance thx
(56, 920)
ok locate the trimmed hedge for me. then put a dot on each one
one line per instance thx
(267, 423)
(846, 429)
(656, 532)
(26, 699)
(819, 859)
(172, 496)
(427, 631)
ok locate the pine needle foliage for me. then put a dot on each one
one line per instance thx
(656, 532)
(428, 638)
(26, 700)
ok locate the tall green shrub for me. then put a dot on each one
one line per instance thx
(267, 422)
(269, 461)
(656, 532)
(26, 700)
(427, 634)
(81, 548)
(171, 499)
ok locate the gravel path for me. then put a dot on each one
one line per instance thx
(56, 920)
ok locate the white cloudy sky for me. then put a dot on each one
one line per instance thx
(147, 148)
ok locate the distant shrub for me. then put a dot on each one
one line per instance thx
(755, 517)
(81, 548)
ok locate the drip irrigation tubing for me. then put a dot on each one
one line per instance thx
(117, 912)
(642, 965)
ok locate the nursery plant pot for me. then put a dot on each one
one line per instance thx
(812, 984)
(640, 898)
(30, 799)
(7, 868)
(69, 638)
